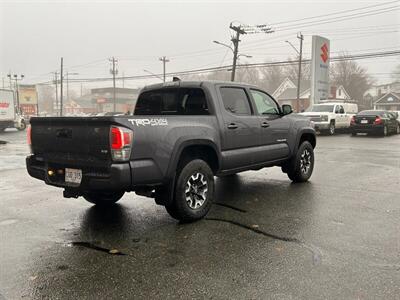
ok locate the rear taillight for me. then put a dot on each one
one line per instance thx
(378, 121)
(120, 143)
(29, 137)
(353, 120)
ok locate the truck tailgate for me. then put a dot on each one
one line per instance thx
(66, 139)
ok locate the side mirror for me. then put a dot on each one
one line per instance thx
(286, 109)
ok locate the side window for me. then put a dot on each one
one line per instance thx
(337, 109)
(184, 101)
(194, 102)
(235, 100)
(265, 105)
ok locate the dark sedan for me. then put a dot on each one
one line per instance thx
(378, 122)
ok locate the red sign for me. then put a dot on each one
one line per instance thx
(325, 53)
(4, 105)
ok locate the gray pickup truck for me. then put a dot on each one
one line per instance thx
(179, 137)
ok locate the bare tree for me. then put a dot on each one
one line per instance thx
(46, 98)
(352, 76)
(272, 77)
(292, 70)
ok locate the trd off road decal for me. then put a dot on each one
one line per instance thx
(151, 122)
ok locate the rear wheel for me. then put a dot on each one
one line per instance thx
(22, 126)
(103, 198)
(194, 192)
(300, 168)
(385, 131)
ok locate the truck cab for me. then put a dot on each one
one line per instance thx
(330, 116)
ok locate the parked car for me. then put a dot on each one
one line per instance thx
(329, 116)
(180, 136)
(378, 122)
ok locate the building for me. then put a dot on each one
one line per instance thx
(286, 93)
(389, 101)
(100, 100)
(377, 91)
(28, 99)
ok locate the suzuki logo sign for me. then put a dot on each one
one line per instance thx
(325, 53)
(319, 69)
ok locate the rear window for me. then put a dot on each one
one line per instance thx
(172, 101)
(371, 113)
(321, 108)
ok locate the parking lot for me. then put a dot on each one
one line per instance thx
(335, 237)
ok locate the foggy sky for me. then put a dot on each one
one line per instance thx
(35, 34)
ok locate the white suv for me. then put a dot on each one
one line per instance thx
(329, 116)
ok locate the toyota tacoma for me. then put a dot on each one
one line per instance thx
(179, 137)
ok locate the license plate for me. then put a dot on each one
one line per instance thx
(364, 121)
(73, 176)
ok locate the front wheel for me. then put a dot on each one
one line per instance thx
(301, 166)
(332, 129)
(103, 198)
(194, 192)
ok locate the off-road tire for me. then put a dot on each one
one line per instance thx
(103, 198)
(179, 208)
(293, 168)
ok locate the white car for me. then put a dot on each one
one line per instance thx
(329, 116)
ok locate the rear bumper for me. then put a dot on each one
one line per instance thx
(367, 128)
(113, 177)
(7, 124)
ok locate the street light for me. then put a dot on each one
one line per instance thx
(235, 57)
(155, 75)
(300, 53)
(225, 45)
(295, 49)
(15, 77)
(245, 55)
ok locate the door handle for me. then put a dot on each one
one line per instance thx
(265, 124)
(232, 126)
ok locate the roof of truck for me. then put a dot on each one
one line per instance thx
(183, 83)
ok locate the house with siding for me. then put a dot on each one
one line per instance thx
(286, 93)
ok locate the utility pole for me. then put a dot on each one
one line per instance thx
(114, 72)
(235, 40)
(56, 83)
(301, 38)
(61, 88)
(164, 61)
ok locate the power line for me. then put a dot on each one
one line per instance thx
(335, 13)
(338, 19)
(250, 65)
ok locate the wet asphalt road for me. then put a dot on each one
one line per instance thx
(335, 237)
